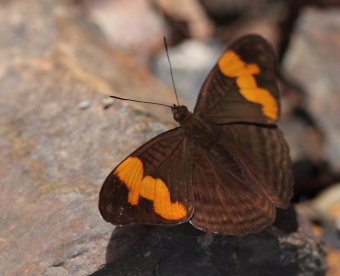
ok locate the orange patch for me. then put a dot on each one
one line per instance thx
(131, 171)
(232, 66)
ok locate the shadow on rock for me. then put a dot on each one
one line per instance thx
(183, 250)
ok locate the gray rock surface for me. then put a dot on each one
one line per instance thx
(312, 61)
(54, 155)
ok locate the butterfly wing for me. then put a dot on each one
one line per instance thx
(153, 185)
(246, 174)
(266, 152)
(242, 85)
(237, 183)
(228, 206)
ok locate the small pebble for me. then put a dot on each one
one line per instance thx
(84, 105)
(107, 102)
(147, 254)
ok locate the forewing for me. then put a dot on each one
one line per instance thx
(242, 85)
(153, 185)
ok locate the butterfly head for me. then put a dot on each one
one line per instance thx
(180, 112)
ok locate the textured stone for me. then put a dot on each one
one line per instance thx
(183, 250)
(54, 155)
(324, 210)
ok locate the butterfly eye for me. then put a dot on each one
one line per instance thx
(177, 116)
(180, 113)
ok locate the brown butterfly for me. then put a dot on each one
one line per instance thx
(225, 168)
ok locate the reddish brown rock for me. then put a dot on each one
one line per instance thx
(56, 155)
(135, 26)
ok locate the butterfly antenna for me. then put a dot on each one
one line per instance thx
(172, 76)
(124, 99)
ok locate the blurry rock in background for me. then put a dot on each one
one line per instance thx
(134, 25)
(306, 140)
(324, 212)
(235, 18)
(186, 18)
(312, 60)
(191, 62)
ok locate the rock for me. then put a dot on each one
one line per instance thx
(328, 203)
(334, 263)
(236, 18)
(187, 17)
(84, 105)
(55, 156)
(183, 250)
(312, 61)
(324, 211)
(319, 3)
(225, 11)
(107, 102)
(312, 172)
(134, 26)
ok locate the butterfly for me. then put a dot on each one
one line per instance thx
(225, 168)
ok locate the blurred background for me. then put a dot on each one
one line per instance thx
(60, 133)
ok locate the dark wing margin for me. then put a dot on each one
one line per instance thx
(242, 85)
(153, 185)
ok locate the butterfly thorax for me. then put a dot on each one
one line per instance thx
(194, 125)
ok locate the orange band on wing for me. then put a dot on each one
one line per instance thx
(131, 171)
(232, 66)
